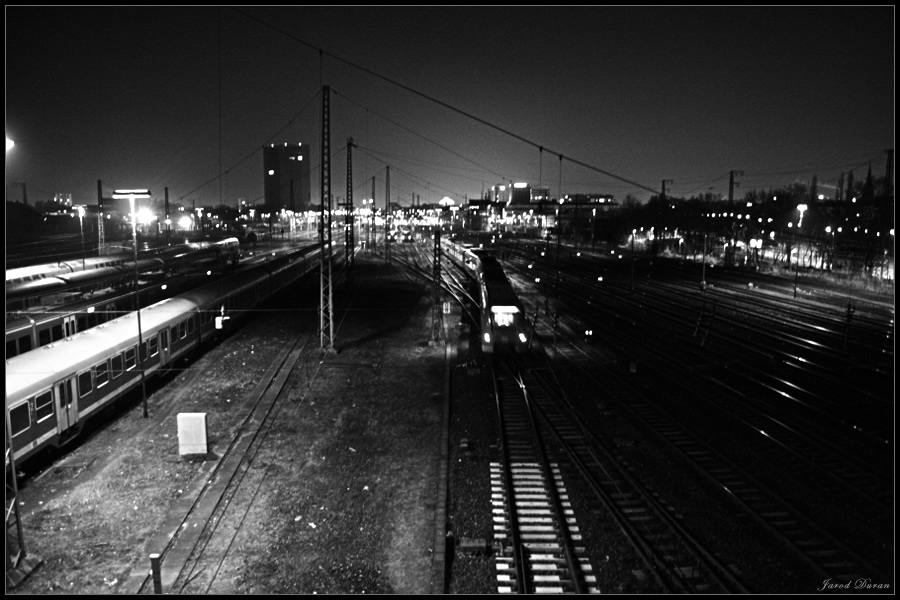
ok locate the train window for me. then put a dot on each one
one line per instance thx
(128, 355)
(174, 333)
(56, 332)
(182, 330)
(11, 349)
(154, 346)
(192, 324)
(19, 419)
(117, 367)
(44, 337)
(82, 323)
(101, 374)
(25, 343)
(85, 384)
(43, 406)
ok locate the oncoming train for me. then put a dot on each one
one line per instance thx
(53, 391)
(503, 322)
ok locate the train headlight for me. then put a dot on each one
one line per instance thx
(522, 338)
(487, 337)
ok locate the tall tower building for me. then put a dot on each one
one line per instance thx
(286, 177)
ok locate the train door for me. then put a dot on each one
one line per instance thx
(67, 408)
(164, 352)
(69, 326)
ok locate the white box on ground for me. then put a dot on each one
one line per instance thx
(191, 433)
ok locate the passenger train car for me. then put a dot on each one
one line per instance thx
(42, 310)
(226, 251)
(53, 391)
(503, 322)
(27, 330)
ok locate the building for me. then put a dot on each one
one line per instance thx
(286, 177)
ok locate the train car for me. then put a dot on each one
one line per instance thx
(30, 329)
(53, 391)
(62, 311)
(503, 322)
(35, 272)
(227, 250)
(60, 289)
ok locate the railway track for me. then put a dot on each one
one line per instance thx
(679, 562)
(537, 542)
(203, 523)
(823, 551)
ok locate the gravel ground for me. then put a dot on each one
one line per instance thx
(349, 470)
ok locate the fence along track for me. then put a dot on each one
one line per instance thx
(534, 527)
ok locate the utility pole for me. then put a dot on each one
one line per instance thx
(167, 217)
(387, 214)
(731, 185)
(889, 174)
(663, 194)
(100, 237)
(349, 242)
(374, 226)
(326, 324)
(436, 288)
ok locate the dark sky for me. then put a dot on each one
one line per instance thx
(162, 97)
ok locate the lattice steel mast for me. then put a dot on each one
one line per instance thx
(349, 241)
(326, 323)
(387, 214)
(436, 288)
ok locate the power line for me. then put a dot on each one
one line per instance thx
(323, 52)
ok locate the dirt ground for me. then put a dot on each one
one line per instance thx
(345, 480)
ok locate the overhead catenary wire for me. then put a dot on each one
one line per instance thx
(323, 52)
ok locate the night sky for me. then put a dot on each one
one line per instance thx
(454, 99)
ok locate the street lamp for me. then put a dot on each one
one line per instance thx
(81, 226)
(802, 209)
(131, 196)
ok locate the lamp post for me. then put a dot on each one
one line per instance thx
(133, 195)
(633, 233)
(801, 208)
(703, 272)
(81, 226)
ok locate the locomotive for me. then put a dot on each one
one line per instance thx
(503, 322)
(51, 392)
